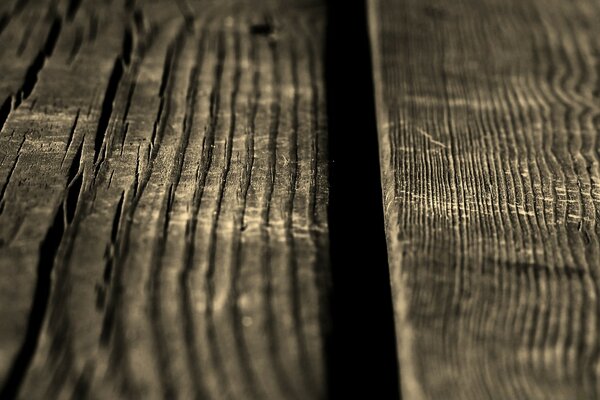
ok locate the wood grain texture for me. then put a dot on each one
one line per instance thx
(488, 115)
(163, 194)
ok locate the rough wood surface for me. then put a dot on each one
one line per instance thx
(488, 114)
(163, 192)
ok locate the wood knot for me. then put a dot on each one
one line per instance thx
(262, 29)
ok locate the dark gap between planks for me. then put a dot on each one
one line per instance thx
(362, 346)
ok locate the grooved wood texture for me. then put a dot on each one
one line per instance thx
(488, 114)
(163, 193)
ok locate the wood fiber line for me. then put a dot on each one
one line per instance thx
(163, 194)
(488, 117)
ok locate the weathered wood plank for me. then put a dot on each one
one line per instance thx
(163, 226)
(488, 125)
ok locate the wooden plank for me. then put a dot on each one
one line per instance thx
(163, 192)
(488, 124)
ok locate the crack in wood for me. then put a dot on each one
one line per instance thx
(48, 251)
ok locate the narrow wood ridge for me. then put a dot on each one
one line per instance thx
(15, 99)
(31, 75)
(48, 250)
(47, 254)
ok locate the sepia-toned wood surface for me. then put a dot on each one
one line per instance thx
(488, 115)
(163, 193)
